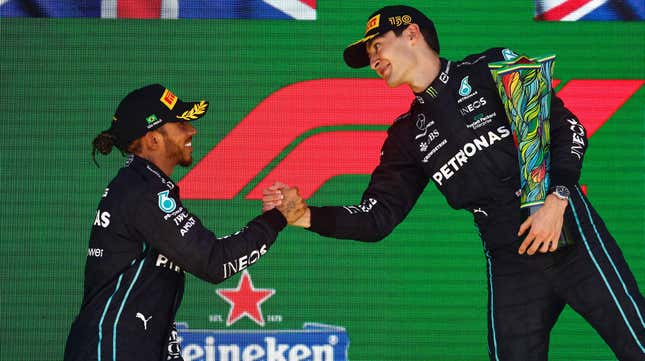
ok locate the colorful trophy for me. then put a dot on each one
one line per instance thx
(524, 85)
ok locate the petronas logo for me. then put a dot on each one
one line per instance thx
(465, 88)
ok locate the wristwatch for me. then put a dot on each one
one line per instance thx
(561, 192)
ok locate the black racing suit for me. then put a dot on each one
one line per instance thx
(142, 241)
(456, 134)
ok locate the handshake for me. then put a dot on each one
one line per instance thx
(289, 202)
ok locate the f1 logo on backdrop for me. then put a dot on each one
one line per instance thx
(309, 106)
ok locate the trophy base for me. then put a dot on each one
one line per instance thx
(566, 238)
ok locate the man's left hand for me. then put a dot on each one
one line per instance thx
(544, 227)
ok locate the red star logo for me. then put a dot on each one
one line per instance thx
(245, 300)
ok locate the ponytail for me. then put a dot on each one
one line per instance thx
(102, 143)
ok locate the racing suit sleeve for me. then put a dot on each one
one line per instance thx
(180, 236)
(394, 187)
(568, 145)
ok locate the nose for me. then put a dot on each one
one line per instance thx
(374, 62)
(190, 129)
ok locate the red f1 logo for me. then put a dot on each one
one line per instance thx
(304, 109)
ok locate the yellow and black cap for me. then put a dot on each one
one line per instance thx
(149, 108)
(382, 21)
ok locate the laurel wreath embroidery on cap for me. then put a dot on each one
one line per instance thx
(196, 111)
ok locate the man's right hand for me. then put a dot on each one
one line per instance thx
(291, 206)
(287, 200)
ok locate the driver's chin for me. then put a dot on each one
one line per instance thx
(392, 85)
(186, 161)
(392, 82)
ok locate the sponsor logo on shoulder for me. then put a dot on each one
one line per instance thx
(166, 204)
(424, 125)
(467, 92)
(464, 88)
(433, 151)
(180, 216)
(471, 107)
(187, 226)
(508, 54)
(481, 120)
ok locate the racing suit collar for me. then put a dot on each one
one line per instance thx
(144, 165)
(437, 85)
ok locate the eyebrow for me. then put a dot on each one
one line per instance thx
(372, 40)
(369, 43)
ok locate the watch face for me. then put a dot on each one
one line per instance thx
(562, 192)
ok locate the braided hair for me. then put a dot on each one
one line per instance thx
(105, 141)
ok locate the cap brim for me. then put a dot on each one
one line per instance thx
(355, 54)
(189, 111)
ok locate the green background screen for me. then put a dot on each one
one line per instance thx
(420, 294)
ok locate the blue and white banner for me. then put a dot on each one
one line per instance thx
(315, 342)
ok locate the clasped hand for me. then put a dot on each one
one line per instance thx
(288, 201)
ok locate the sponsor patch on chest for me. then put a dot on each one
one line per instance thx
(467, 151)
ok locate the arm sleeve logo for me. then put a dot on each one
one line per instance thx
(166, 204)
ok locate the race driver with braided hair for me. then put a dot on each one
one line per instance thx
(143, 238)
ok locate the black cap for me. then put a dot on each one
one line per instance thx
(382, 21)
(149, 108)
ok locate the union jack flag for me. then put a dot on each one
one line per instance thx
(598, 10)
(161, 9)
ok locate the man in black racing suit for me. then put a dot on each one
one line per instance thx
(456, 134)
(143, 238)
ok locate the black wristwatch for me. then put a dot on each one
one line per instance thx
(561, 192)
